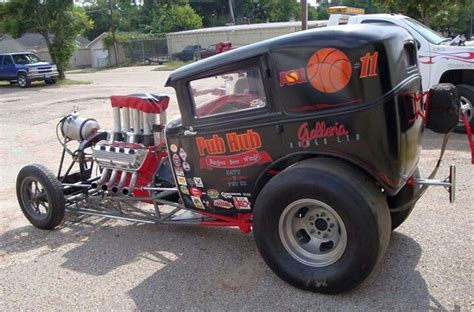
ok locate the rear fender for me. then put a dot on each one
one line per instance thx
(279, 165)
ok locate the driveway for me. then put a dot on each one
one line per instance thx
(91, 263)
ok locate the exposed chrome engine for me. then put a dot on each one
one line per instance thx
(136, 138)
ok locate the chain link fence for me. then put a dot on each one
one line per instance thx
(147, 51)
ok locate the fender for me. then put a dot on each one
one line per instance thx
(282, 163)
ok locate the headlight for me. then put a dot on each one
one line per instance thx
(53, 67)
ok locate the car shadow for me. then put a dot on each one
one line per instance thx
(214, 268)
(433, 141)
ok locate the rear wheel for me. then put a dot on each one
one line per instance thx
(23, 81)
(40, 196)
(321, 225)
(466, 97)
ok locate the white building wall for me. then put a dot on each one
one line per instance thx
(239, 35)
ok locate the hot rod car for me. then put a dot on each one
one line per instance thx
(310, 140)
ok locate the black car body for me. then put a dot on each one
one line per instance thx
(371, 122)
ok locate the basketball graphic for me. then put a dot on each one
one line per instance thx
(292, 77)
(329, 70)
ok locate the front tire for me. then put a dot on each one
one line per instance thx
(23, 81)
(50, 81)
(321, 225)
(466, 96)
(40, 196)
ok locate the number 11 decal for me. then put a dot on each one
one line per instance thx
(369, 65)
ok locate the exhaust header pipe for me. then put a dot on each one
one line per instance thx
(102, 179)
(127, 190)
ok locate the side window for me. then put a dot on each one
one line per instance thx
(7, 60)
(229, 92)
(380, 22)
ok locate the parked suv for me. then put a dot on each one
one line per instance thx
(25, 67)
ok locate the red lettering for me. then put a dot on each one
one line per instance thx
(320, 130)
(243, 142)
(214, 145)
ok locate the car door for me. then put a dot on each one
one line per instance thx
(230, 140)
(9, 70)
(2, 74)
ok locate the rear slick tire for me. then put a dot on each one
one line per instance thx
(295, 211)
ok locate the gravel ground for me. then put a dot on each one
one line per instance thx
(92, 263)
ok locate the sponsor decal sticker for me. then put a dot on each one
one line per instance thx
(184, 189)
(183, 154)
(242, 203)
(173, 148)
(216, 145)
(182, 181)
(320, 131)
(176, 160)
(223, 204)
(292, 77)
(197, 202)
(179, 171)
(186, 166)
(229, 195)
(241, 160)
(195, 191)
(212, 193)
(198, 182)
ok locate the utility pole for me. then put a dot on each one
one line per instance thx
(231, 9)
(304, 14)
(112, 29)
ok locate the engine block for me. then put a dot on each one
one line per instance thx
(119, 155)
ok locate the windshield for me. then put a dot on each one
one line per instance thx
(25, 59)
(427, 33)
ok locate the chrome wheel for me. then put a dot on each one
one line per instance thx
(35, 198)
(466, 107)
(312, 232)
(22, 80)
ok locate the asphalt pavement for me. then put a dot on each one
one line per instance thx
(92, 263)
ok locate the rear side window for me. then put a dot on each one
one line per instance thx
(7, 60)
(230, 92)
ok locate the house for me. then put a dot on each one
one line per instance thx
(36, 43)
(98, 52)
(8, 45)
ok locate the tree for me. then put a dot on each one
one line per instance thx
(455, 20)
(181, 17)
(58, 21)
(423, 10)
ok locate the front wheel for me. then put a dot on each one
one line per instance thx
(50, 81)
(466, 97)
(321, 225)
(40, 196)
(23, 81)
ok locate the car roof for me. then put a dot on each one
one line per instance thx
(333, 35)
(15, 53)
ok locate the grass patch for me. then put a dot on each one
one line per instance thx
(171, 66)
(70, 82)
